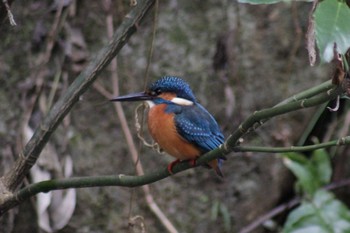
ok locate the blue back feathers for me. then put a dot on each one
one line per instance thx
(197, 126)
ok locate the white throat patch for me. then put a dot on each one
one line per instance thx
(181, 101)
(150, 103)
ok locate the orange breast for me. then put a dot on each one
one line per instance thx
(162, 128)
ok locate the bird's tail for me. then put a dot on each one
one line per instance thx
(216, 165)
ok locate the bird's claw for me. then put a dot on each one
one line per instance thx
(192, 162)
(171, 166)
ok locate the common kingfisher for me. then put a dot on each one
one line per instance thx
(178, 123)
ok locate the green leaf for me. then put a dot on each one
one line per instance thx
(226, 217)
(215, 210)
(311, 173)
(297, 157)
(322, 163)
(332, 25)
(302, 168)
(220, 208)
(323, 213)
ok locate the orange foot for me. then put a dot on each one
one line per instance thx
(171, 165)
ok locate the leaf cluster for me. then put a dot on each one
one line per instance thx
(312, 173)
(320, 211)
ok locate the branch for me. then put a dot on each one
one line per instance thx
(27, 158)
(5, 12)
(83, 182)
(271, 214)
(9, 201)
(311, 92)
(257, 118)
(133, 181)
(339, 142)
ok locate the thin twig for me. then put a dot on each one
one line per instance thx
(51, 36)
(311, 35)
(131, 144)
(40, 70)
(296, 39)
(339, 142)
(271, 214)
(9, 13)
(151, 49)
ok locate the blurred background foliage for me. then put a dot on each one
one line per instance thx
(238, 58)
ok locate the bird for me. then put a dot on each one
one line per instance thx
(181, 126)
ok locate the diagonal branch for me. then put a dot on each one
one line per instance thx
(5, 12)
(256, 119)
(32, 150)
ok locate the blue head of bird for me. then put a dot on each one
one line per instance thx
(169, 89)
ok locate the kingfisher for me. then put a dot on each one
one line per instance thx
(178, 123)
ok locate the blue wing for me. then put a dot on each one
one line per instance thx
(196, 125)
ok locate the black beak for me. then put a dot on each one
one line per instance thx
(141, 96)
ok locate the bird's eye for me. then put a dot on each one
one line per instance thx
(156, 92)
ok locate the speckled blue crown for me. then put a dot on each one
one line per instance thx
(174, 84)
